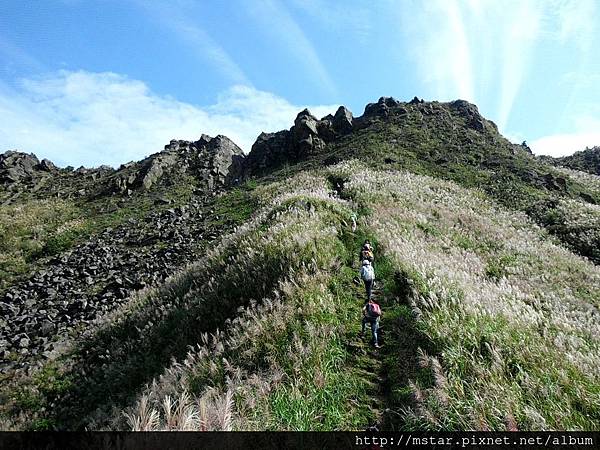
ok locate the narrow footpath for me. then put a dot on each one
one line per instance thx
(387, 371)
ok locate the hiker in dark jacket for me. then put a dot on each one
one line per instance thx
(367, 274)
(371, 314)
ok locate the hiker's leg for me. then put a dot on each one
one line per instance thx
(369, 285)
(364, 324)
(374, 329)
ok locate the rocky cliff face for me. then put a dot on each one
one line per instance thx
(213, 161)
(22, 169)
(307, 137)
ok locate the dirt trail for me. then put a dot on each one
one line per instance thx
(387, 370)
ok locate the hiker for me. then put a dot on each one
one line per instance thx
(371, 315)
(366, 251)
(368, 276)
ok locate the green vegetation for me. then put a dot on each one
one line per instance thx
(484, 326)
(493, 327)
(587, 160)
(34, 229)
(490, 322)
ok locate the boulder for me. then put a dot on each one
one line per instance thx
(471, 114)
(555, 183)
(16, 167)
(382, 107)
(48, 166)
(342, 120)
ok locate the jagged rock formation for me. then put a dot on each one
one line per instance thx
(214, 161)
(306, 138)
(18, 168)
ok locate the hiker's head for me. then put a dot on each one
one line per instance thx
(367, 242)
(366, 262)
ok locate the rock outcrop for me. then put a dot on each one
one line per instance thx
(471, 114)
(17, 168)
(213, 161)
(307, 137)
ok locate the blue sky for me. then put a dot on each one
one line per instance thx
(87, 82)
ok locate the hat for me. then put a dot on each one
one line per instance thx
(366, 262)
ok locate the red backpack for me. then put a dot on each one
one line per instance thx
(373, 310)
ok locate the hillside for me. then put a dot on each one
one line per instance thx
(587, 160)
(205, 289)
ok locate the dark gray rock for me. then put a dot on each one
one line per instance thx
(16, 167)
(342, 120)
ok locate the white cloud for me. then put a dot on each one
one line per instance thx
(521, 29)
(83, 118)
(576, 21)
(586, 134)
(564, 144)
(438, 41)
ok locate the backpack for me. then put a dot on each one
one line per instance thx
(373, 310)
(367, 254)
(367, 273)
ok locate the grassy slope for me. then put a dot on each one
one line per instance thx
(509, 316)
(488, 324)
(440, 144)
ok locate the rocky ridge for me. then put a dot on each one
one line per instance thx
(308, 136)
(213, 162)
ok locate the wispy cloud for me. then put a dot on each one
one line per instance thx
(276, 20)
(464, 48)
(352, 19)
(576, 21)
(436, 36)
(520, 29)
(12, 57)
(206, 48)
(483, 51)
(83, 118)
